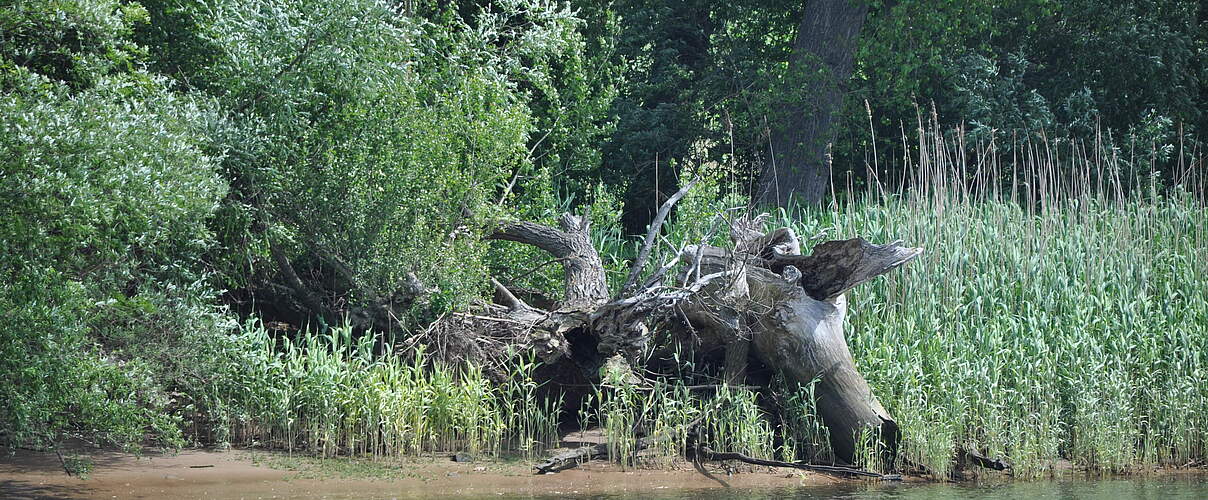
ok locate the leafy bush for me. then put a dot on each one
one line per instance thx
(72, 41)
(106, 192)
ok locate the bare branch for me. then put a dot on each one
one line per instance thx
(648, 244)
(570, 243)
(507, 297)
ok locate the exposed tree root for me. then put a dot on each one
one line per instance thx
(760, 300)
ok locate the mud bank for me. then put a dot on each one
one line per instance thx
(240, 474)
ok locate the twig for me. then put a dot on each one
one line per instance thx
(516, 175)
(489, 318)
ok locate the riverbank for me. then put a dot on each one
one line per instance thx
(259, 474)
(250, 474)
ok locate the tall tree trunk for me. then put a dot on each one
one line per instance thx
(823, 55)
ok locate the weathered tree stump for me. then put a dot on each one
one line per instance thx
(759, 300)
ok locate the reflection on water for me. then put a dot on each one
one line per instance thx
(1179, 488)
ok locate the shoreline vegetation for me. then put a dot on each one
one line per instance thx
(1059, 324)
(259, 224)
(1070, 328)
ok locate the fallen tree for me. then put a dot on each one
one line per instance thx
(759, 301)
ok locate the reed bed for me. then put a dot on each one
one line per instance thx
(340, 394)
(1060, 312)
(333, 394)
(725, 418)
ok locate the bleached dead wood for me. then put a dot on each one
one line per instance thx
(761, 300)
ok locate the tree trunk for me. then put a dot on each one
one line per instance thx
(823, 55)
(796, 321)
(571, 244)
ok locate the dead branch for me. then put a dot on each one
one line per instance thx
(757, 300)
(704, 453)
(986, 462)
(647, 245)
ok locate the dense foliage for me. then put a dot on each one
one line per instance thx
(704, 83)
(329, 160)
(108, 194)
(173, 169)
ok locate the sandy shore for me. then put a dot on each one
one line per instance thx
(241, 474)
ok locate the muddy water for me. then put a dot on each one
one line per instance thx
(248, 475)
(1183, 488)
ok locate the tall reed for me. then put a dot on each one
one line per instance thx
(332, 394)
(1060, 311)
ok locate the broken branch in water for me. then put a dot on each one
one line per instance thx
(705, 453)
(987, 462)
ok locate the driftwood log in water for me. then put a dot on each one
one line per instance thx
(760, 300)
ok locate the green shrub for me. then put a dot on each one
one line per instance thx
(368, 143)
(76, 42)
(105, 196)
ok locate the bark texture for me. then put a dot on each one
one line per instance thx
(823, 55)
(570, 243)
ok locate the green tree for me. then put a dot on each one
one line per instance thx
(366, 144)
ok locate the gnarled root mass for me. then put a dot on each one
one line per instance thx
(760, 301)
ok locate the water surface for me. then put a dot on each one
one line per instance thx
(1183, 487)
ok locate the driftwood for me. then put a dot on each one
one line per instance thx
(704, 453)
(986, 462)
(572, 458)
(759, 301)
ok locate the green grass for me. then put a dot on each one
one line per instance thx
(330, 394)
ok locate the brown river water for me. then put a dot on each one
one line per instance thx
(250, 475)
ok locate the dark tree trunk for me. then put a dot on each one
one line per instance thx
(823, 55)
